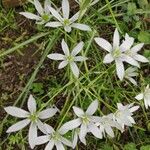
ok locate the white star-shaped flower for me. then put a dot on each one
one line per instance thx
(106, 123)
(65, 21)
(32, 117)
(69, 58)
(116, 53)
(54, 138)
(43, 15)
(86, 121)
(124, 114)
(132, 52)
(146, 96)
(130, 73)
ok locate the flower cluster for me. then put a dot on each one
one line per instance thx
(86, 122)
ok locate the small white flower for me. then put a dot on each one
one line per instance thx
(32, 117)
(65, 21)
(86, 121)
(69, 58)
(124, 114)
(92, 2)
(146, 96)
(116, 53)
(106, 123)
(43, 13)
(130, 51)
(130, 73)
(54, 138)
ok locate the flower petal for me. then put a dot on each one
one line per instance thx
(65, 8)
(139, 96)
(66, 142)
(59, 146)
(32, 135)
(82, 134)
(47, 4)
(75, 140)
(120, 69)
(116, 39)
(81, 26)
(77, 49)
(63, 64)
(75, 17)
(18, 126)
(78, 111)
(53, 24)
(55, 14)
(137, 47)
(132, 81)
(47, 113)
(48, 128)
(38, 7)
(104, 44)
(70, 126)
(109, 131)
(41, 127)
(41, 139)
(30, 16)
(50, 145)
(56, 56)
(67, 28)
(65, 48)
(140, 58)
(31, 104)
(108, 59)
(92, 108)
(74, 69)
(16, 112)
(80, 58)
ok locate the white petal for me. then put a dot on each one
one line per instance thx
(59, 146)
(55, 14)
(32, 135)
(78, 111)
(53, 24)
(127, 43)
(63, 64)
(140, 58)
(50, 145)
(132, 81)
(18, 126)
(50, 112)
(104, 44)
(120, 69)
(108, 59)
(133, 109)
(80, 58)
(95, 131)
(41, 127)
(109, 131)
(131, 119)
(41, 139)
(66, 142)
(74, 69)
(116, 39)
(75, 17)
(92, 108)
(65, 8)
(48, 128)
(56, 56)
(38, 7)
(47, 4)
(82, 134)
(131, 61)
(70, 126)
(30, 16)
(75, 140)
(77, 49)
(16, 112)
(31, 104)
(139, 96)
(137, 47)
(67, 28)
(65, 48)
(81, 26)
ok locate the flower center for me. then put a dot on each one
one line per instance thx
(116, 53)
(118, 113)
(70, 58)
(67, 22)
(55, 136)
(45, 17)
(33, 117)
(85, 119)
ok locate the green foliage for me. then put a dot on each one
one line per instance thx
(144, 36)
(147, 147)
(130, 146)
(37, 88)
